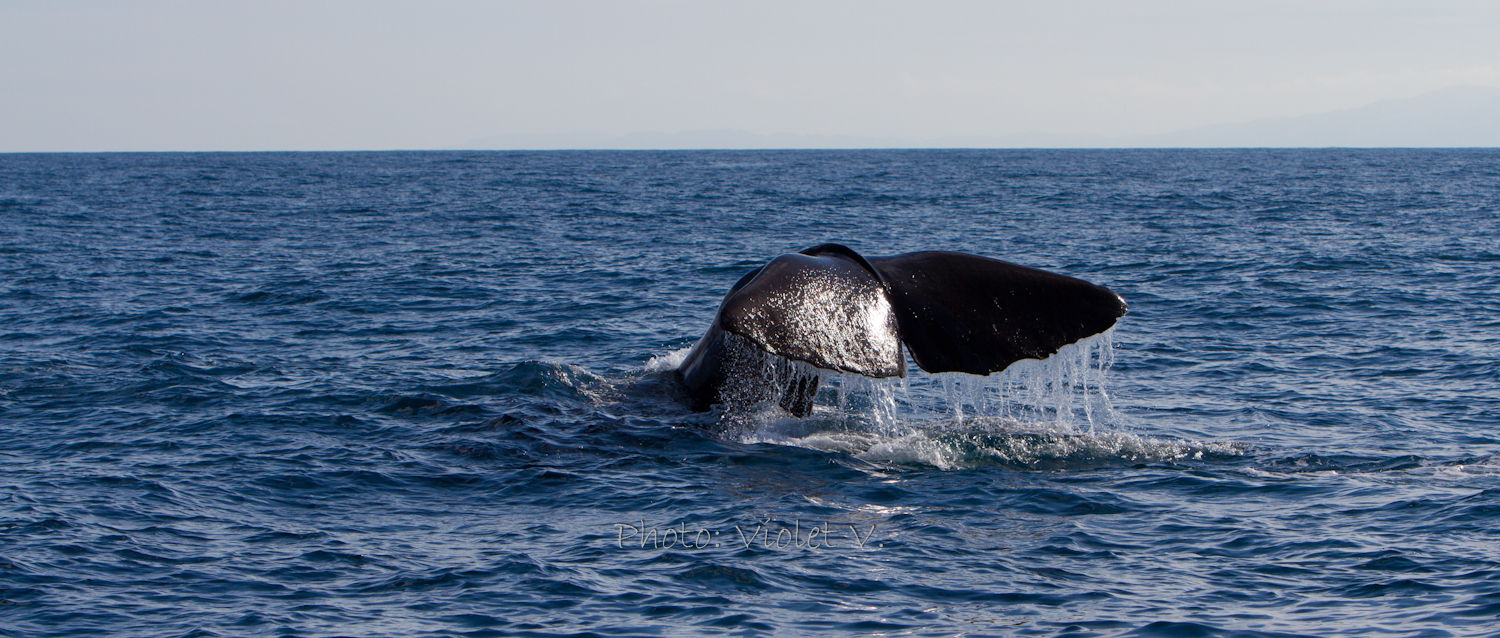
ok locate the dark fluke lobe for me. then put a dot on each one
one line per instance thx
(835, 310)
(964, 313)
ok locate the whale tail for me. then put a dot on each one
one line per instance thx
(836, 310)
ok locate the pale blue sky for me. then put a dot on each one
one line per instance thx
(307, 75)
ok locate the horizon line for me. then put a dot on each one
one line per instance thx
(779, 149)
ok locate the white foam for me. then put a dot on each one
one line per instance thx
(667, 362)
(1027, 447)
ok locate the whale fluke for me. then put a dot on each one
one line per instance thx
(833, 309)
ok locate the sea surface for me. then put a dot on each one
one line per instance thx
(432, 394)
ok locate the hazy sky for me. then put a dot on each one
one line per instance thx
(308, 75)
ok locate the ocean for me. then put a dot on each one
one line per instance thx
(432, 394)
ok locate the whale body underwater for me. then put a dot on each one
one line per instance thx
(833, 309)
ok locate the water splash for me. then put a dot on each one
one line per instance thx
(1055, 413)
(764, 389)
(1065, 392)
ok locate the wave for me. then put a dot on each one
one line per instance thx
(1010, 444)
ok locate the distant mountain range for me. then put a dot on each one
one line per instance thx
(1458, 116)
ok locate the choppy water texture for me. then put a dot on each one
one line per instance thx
(429, 394)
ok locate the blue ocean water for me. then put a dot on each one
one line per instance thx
(430, 394)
